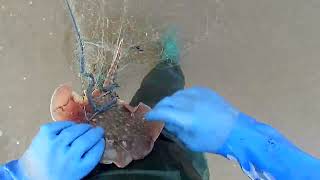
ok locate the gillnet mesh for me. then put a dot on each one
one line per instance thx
(101, 24)
(101, 28)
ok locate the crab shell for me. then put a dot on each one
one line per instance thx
(68, 105)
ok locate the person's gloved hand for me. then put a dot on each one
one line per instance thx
(200, 118)
(205, 122)
(63, 150)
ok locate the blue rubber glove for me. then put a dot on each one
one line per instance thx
(205, 122)
(61, 150)
(200, 118)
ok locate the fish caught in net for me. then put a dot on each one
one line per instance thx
(128, 137)
(111, 35)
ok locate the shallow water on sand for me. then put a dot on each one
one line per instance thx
(262, 56)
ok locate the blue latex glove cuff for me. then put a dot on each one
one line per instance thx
(11, 170)
(262, 152)
(241, 130)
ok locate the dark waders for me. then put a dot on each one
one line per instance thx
(168, 160)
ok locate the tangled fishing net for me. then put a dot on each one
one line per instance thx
(111, 35)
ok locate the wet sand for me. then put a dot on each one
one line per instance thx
(263, 56)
